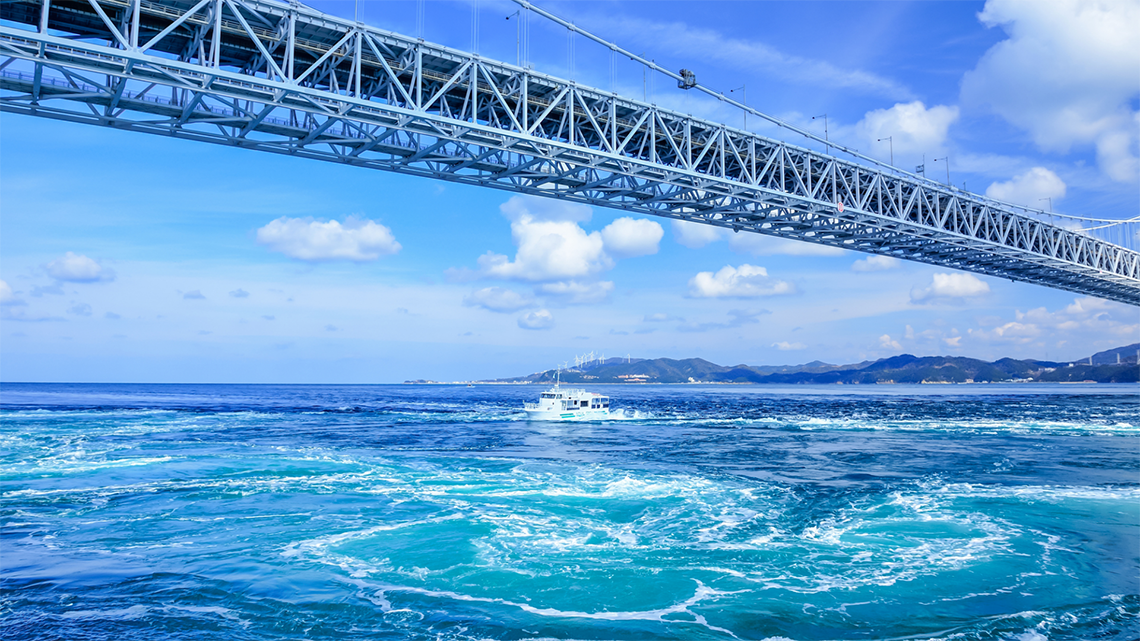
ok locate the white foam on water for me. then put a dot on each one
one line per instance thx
(133, 612)
(939, 491)
(972, 425)
(321, 543)
(701, 593)
(72, 465)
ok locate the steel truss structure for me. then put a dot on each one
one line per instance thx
(271, 76)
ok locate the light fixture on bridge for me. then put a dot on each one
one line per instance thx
(743, 89)
(688, 80)
(826, 138)
(890, 140)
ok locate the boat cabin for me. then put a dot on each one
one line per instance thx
(576, 401)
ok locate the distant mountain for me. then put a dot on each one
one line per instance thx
(904, 368)
(1119, 356)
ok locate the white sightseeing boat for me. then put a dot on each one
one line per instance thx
(566, 404)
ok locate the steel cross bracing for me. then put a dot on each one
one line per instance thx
(284, 78)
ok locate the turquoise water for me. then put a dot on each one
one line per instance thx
(701, 512)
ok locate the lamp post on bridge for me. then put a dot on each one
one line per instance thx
(891, 141)
(947, 161)
(826, 141)
(743, 89)
(518, 36)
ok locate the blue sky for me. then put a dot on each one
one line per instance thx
(127, 257)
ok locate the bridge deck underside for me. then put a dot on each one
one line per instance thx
(274, 77)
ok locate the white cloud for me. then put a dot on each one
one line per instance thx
(886, 342)
(558, 254)
(1113, 323)
(546, 209)
(629, 237)
(761, 245)
(912, 127)
(875, 264)
(576, 293)
(7, 298)
(551, 245)
(77, 268)
(498, 299)
(950, 286)
(314, 241)
(239, 293)
(696, 235)
(747, 281)
(1066, 75)
(785, 346)
(194, 295)
(541, 319)
(953, 341)
(1029, 188)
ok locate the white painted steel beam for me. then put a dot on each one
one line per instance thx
(283, 78)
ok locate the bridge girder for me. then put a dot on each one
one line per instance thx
(283, 78)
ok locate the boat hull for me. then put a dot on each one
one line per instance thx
(567, 415)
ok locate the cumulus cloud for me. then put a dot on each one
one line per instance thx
(948, 287)
(558, 255)
(629, 237)
(1066, 75)
(785, 346)
(696, 235)
(1029, 188)
(886, 342)
(746, 281)
(541, 319)
(194, 295)
(239, 293)
(545, 209)
(912, 127)
(77, 268)
(576, 293)
(875, 264)
(311, 240)
(551, 244)
(498, 299)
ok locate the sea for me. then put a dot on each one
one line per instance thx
(439, 512)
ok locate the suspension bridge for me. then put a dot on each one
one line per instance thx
(285, 78)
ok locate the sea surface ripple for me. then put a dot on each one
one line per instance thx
(697, 512)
